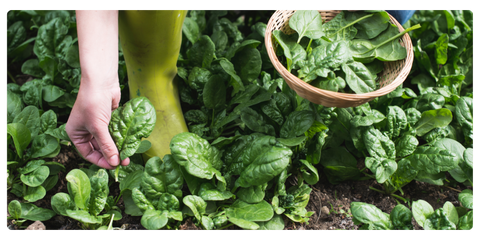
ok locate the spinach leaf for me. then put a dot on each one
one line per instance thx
(130, 123)
(261, 161)
(384, 47)
(21, 136)
(464, 115)
(214, 93)
(307, 23)
(371, 215)
(79, 187)
(245, 215)
(196, 155)
(255, 122)
(370, 24)
(296, 124)
(323, 59)
(202, 52)
(358, 77)
(432, 119)
(401, 217)
(433, 160)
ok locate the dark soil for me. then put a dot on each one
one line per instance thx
(331, 203)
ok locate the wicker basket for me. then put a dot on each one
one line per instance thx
(393, 74)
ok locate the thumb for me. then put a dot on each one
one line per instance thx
(107, 146)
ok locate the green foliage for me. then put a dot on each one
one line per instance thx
(87, 198)
(337, 52)
(251, 137)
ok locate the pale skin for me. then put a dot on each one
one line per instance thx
(99, 92)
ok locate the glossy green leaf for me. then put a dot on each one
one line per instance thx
(370, 214)
(33, 213)
(29, 117)
(433, 160)
(153, 219)
(160, 177)
(141, 201)
(15, 209)
(194, 154)
(401, 217)
(421, 210)
(358, 77)
(208, 192)
(196, 204)
(20, 135)
(432, 119)
(307, 23)
(296, 124)
(214, 93)
(99, 192)
(261, 211)
(80, 187)
(130, 123)
(383, 168)
(34, 194)
(262, 160)
(36, 177)
(252, 194)
(466, 198)
(83, 216)
(61, 202)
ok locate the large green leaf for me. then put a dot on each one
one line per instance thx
(161, 177)
(99, 192)
(433, 159)
(33, 213)
(153, 219)
(35, 178)
(307, 23)
(130, 123)
(195, 154)
(260, 212)
(262, 160)
(21, 136)
(358, 77)
(433, 119)
(79, 187)
(370, 214)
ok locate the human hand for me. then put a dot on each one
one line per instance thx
(87, 125)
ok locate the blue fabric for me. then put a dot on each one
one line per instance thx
(401, 16)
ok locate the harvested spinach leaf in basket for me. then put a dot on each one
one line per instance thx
(344, 54)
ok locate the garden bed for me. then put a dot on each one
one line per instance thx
(271, 160)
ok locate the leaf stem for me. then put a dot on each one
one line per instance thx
(396, 36)
(350, 24)
(226, 226)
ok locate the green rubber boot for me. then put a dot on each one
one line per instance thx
(151, 43)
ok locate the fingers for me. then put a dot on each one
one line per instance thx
(106, 145)
(88, 151)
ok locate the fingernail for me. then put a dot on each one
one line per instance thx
(114, 160)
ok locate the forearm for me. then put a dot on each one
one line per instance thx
(98, 47)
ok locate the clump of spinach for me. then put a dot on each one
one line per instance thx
(443, 66)
(33, 138)
(448, 217)
(344, 54)
(88, 199)
(21, 212)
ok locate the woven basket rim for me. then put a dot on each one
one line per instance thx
(399, 79)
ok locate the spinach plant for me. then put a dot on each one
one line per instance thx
(21, 212)
(129, 124)
(32, 138)
(443, 64)
(88, 198)
(344, 54)
(448, 217)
